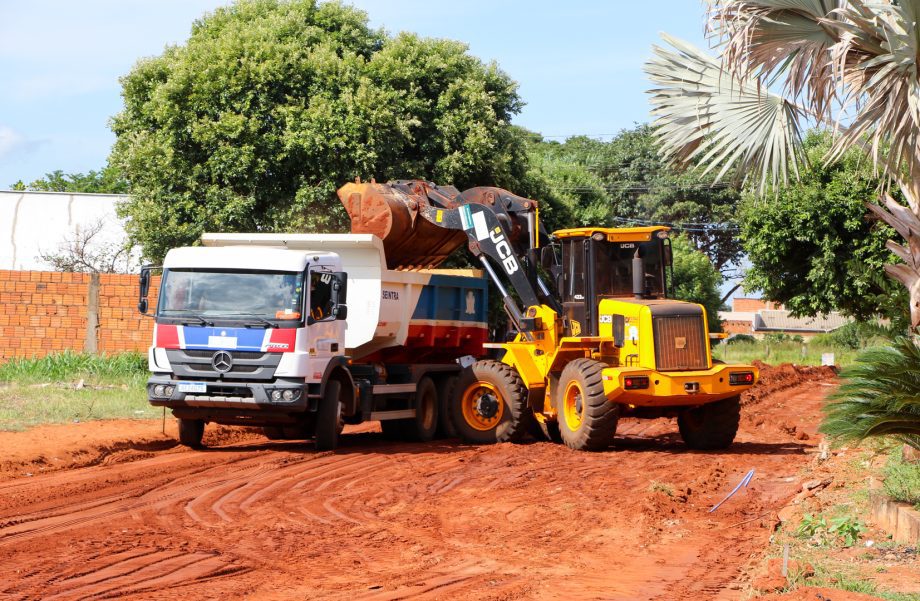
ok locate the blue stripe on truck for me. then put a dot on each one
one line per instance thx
(453, 298)
(247, 339)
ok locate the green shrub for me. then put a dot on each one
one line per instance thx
(741, 339)
(880, 396)
(68, 365)
(902, 479)
(858, 335)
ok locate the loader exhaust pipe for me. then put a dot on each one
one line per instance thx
(638, 273)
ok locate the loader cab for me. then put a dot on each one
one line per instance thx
(599, 263)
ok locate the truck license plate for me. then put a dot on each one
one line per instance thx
(193, 387)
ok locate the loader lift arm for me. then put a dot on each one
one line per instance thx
(501, 228)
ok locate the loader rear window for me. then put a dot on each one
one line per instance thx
(614, 268)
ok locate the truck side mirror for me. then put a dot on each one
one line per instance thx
(340, 295)
(143, 289)
(619, 331)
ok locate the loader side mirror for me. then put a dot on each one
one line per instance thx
(668, 254)
(619, 331)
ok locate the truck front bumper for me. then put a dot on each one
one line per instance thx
(675, 388)
(164, 391)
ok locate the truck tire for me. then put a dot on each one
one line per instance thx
(446, 390)
(424, 425)
(329, 417)
(191, 432)
(587, 420)
(490, 404)
(710, 426)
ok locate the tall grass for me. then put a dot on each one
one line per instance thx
(786, 351)
(69, 366)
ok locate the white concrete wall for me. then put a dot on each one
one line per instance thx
(32, 223)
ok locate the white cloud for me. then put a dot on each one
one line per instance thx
(12, 142)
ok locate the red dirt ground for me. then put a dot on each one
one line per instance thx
(100, 517)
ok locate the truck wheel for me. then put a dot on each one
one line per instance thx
(710, 426)
(446, 390)
(587, 420)
(329, 417)
(425, 423)
(490, 404)
(191, 432)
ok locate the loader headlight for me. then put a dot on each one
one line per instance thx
(741, 378)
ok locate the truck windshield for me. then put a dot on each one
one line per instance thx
(614, 268)
(230, 294)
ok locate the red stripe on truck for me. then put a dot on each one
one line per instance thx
(282, 340)
(167, 336)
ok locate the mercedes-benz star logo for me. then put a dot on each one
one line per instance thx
(222, 361)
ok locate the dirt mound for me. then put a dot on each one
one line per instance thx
(812, 593)
(775, 378)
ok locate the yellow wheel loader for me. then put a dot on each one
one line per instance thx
(594, 335)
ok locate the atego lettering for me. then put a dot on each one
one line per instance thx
(504, 251)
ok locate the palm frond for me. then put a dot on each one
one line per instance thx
(721, 121)
(878, 59)
(768, 39)
(880, 396)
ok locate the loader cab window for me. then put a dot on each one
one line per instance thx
(614, 268)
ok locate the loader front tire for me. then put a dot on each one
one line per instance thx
(587, 420)
(711, 426)
(490, 404)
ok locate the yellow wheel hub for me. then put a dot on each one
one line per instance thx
(482, 406)
(573, 406)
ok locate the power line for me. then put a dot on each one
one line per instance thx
(701, 227)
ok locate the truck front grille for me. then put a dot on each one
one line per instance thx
(195, 364)
(680, 342)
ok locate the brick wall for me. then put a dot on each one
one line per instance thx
(753, 305)
(47, 311)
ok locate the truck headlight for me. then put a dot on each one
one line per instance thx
(288, 395)
(276, 395)
(159, 390)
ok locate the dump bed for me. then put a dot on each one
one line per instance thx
(423, 315)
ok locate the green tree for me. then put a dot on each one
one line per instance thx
(694, 279)
(811, 246)
(105, 181)
(625, 182)
(272, 104)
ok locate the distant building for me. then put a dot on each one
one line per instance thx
(36, 223)
(756, 317)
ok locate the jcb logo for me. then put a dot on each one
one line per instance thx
(504, 251)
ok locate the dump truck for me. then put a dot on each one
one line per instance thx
(594, 334)
(301, 334)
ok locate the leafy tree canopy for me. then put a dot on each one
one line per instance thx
(105, 181)
(812, 246)
(273, 104)
(625, 182)
(694, 279)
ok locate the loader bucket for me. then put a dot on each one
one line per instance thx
(391, 212)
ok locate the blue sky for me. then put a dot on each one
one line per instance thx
(578, 63)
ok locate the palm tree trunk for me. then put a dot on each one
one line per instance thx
(906, 221)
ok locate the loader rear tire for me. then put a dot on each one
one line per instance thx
(329, 421)
(490, 404)
(711, 426)
(191, 431)
(587, 420)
